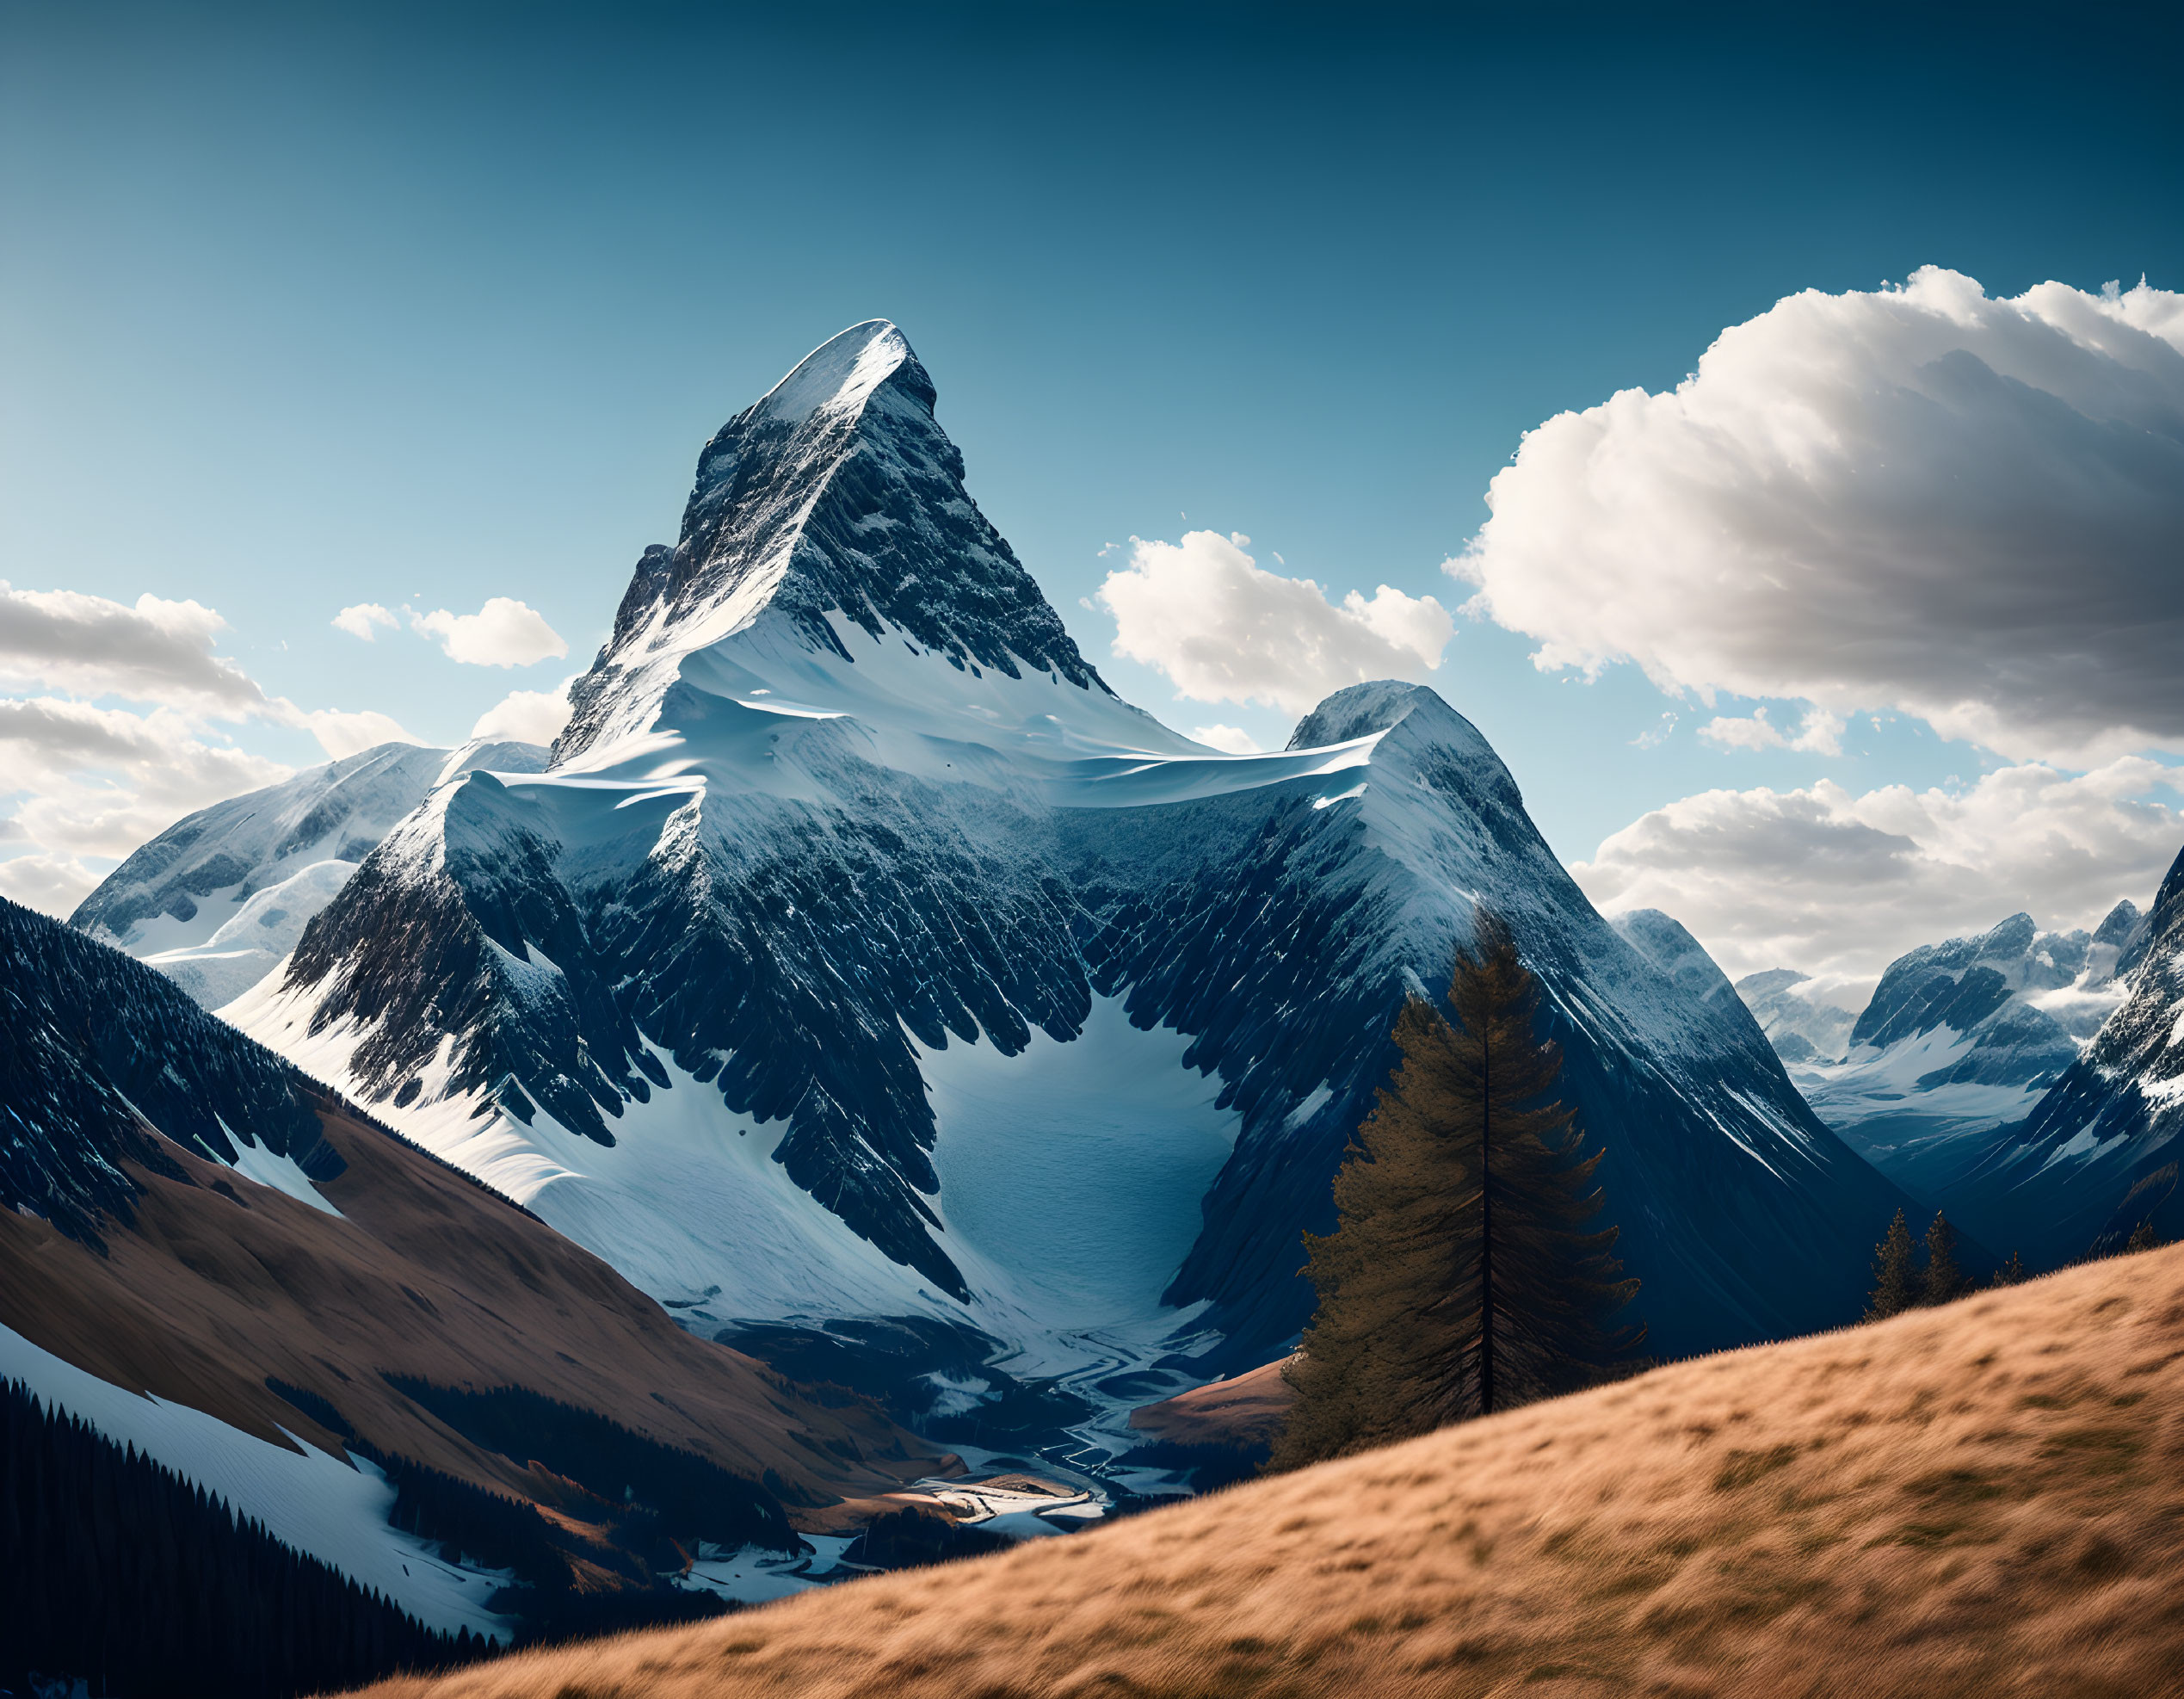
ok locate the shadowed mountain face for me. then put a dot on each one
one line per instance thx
(188, 1216)
(89, 1048)
(805, 984)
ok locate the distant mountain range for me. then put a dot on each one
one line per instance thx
(1975, 1054)
(217, 899)
(2098, 1154)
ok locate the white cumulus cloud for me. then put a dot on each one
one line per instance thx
(86, 780)
(1224, 629)
(95, 782)
(1840, 884)
(1233, 740)
(504, 633)
(359, 620)
(86, 645)
(341, 732)
(525, 716)
(1919, 498)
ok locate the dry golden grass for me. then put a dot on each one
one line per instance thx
(1247, 1410)
(1983, 1500)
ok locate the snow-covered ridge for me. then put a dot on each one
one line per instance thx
(2098, 1153)
(218, 898)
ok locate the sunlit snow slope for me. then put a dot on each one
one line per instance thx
(862, 952)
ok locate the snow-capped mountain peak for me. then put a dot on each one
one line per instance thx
(835, 498)
(840, 377)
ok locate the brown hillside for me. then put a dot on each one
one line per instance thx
(1986, 1499)
(1245, 1410)
(221, 1284)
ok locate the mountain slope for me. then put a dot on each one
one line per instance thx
(1979, 1499)
(216, 900)
(2098, 1152)
(189, 1217)
(862, 954)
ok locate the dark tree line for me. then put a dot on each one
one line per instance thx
(691, 1496)
(1902, 1281)
(114, 1569)
(495, 1530)
(1465, 1275)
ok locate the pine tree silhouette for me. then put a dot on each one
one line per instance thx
(1895, 1281)
(2011, 1273)
(1944, 1279)
(1460, 1278)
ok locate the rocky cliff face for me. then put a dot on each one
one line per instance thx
(861, 954)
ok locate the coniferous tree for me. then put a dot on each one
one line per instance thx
(2143, 1237)
(2011, 1273)
(1895, 1285)
(1461, 1277)
(1944, 1280)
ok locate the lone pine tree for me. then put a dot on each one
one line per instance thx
(1944, 1279)
(1895, 1280)
(1461, 1277)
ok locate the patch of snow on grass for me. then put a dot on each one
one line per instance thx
(264, 1167)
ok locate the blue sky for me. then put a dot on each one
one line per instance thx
(307, 306)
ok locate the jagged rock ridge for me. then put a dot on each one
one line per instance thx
(2098, 1154)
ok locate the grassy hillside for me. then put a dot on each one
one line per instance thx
(1983, 1500)
(216, 1289)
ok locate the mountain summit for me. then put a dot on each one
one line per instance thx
(836, 495)
(862, 955)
